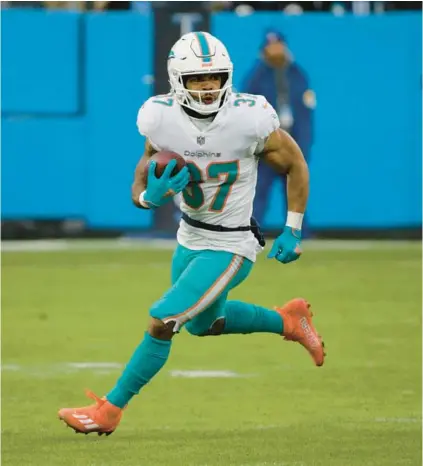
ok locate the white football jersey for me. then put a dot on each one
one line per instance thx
(222, 159)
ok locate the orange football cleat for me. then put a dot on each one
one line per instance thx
(297, 326)
(103, 417)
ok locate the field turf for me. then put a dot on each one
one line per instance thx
(273, 408)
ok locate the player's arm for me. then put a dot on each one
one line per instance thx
(160, 189)
(148, 190)
(282, 153)
(139, 186)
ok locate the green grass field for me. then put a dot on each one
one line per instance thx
(363, 408)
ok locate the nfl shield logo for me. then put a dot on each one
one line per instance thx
(201, 140)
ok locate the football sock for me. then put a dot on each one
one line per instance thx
(150, 356)
(248, 318)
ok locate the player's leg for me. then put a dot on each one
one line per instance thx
(205, 276)
(200, 284)
(201, 287)
(226, 317)
(296, 323)
(153, 351)
(242, 318)
(148, 358)
(293, 321)
(202, 324)
(232, 317)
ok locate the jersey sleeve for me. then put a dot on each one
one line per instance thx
(267, 119)
(148, 121)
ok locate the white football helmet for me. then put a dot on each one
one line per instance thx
(199, 53)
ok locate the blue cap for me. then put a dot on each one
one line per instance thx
(272, 35)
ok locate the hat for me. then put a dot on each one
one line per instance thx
(272, 35)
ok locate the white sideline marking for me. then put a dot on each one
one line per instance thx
(271, 426)
(99, 265)
(10, 367)
(201, 374)
(94, 365)
(126, 243)
(105, 368)
(408, 392)
(63, 368)
(84, 245)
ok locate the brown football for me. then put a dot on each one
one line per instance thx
(162, 158)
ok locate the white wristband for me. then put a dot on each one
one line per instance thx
(294, 220)
(142, 202)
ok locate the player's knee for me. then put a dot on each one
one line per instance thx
(161, 330)
(217, 327)
(160, 327)
(200, 330)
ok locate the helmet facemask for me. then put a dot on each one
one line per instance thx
(194, 99)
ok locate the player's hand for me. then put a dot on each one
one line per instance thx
(159, 190)
(286, 247)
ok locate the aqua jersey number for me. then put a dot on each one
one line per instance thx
(230, 170)
(248, 99)
(164, 100)
(193, 194)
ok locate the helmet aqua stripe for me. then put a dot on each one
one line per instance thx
(204, 47)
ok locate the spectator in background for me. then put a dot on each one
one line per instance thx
(276, 76)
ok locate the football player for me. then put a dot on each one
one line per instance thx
(222, 136)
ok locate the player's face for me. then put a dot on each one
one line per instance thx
(275, 54)
(208, 84)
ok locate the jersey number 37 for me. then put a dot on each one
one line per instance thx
(193, 194)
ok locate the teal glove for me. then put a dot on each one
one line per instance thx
(159, 190)
(286, 247)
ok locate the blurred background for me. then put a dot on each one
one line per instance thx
(75, 73)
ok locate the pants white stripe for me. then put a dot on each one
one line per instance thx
(209, 296)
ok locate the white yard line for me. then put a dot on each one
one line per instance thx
(124, 244)
(52, 370)
(108, 368)
(84, 245)
(94, 365)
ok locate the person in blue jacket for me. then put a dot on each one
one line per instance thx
(276, 76)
